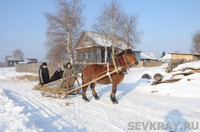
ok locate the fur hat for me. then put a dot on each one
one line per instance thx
(44, 64)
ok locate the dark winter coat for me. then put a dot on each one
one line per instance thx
(58, 74)
(44, 75)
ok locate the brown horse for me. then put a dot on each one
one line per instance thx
(91, 72)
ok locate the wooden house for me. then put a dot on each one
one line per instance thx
(90, 47)
(166, 58)
(191, 56)
(12, 60)
(149, 59)
(180, 58)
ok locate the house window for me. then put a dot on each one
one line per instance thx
(109, 54)
(81, 57)
(102, 55)
(89, 55)
(98, 57)
(86, 56)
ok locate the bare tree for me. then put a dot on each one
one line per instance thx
(109, 22)
(129, 30)
(56, 53)
(114, 21)
(195, 47)
(18, 54)
(64, 28)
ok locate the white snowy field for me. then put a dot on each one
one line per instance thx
(140, 103)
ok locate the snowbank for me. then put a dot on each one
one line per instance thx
(12, 117)
(23, 109)
(194, 65)
(10, 73)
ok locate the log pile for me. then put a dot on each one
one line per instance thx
(158, 77)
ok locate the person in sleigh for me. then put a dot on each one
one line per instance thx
(68, 77)
(44, 77)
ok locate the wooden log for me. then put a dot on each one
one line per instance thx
(166, 81)
(183, 73)
(196, 70)
(158, 77)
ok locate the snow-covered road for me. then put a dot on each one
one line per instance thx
(23, 109)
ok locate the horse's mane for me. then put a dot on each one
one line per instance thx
(129, 51)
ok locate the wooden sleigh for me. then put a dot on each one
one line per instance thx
(53, 89)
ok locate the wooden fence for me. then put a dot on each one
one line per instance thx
(78, 67)
(34, 67)
(31, 68)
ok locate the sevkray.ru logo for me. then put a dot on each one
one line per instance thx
(170, 126)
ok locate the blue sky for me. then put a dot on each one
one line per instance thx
(166, 25)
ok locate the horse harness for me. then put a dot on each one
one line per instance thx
(122, 71)
(117, 66)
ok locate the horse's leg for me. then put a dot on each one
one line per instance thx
(92, 86)
(112, 95)
(84, 94)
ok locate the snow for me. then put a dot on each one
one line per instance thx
(23, 109)
(9, 73)
(102, 41)
(166, 58)
(194, 65)
(147, 55)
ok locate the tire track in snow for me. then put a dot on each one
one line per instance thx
(93, 109)
(35, 109)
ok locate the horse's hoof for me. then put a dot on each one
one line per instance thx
(115, 102)
(86, 99)
(113, 99)
(97, 98)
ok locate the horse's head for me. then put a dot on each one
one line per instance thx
(130, 57)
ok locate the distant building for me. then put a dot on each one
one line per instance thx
(28, 61)
(12, 60)
(148, 55)
(166, 58)
(180, 58)
(90, 47)
(186, 56)
(149, 59)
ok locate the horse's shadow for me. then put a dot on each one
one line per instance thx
(123, 88)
